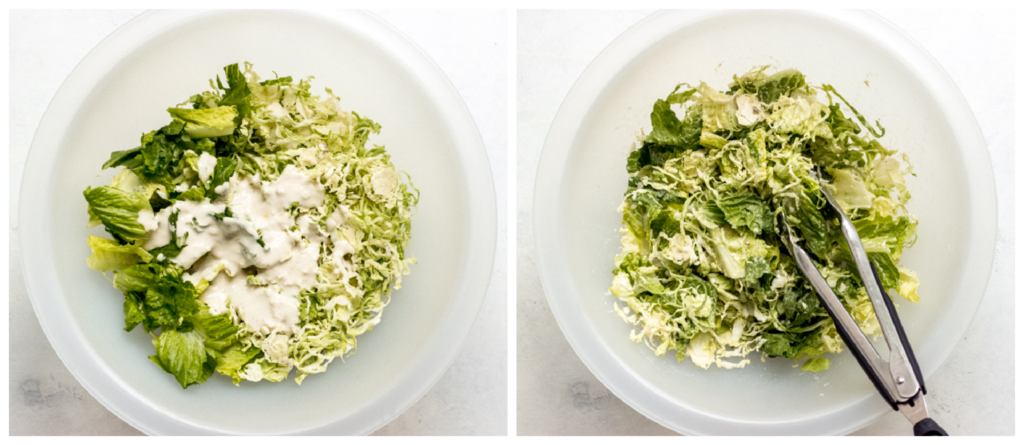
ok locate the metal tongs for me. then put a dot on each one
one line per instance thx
(898, 379)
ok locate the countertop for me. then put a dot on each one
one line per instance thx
(971, 394)
(470, 46)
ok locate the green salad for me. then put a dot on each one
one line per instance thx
(702, 269)
(255, 233)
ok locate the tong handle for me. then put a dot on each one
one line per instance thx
(889, 306)
(928, 427)
(860, 354)
(901, 360)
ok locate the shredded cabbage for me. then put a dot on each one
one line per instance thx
(701, 270)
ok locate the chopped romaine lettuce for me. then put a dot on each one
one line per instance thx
(207, 122)
(110, 255)
(183, 355)
(118, 210)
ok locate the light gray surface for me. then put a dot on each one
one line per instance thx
(469, 46)
(973, 392)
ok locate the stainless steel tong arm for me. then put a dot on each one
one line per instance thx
(839, 314)
(899, 364)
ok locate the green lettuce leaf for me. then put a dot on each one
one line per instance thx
(718, 110)
(849, 190)
(887, 272)
(159, 156)
(805, 216)
(782, 83)
(781, 345)
(118, 210)
(887, 234)
(908, 285)
(802, 115)
(755, 268)
(134, 311)
(110, 255)
(876, 133)
(167, 300)
(769, 88)
(183, 355)
(237, 92)
(217, 330)
(221, 174)
(816, 364)
(747, 210)
(193, 194)
(233, 359)
(207, 122)
(124, 158)
(669, 130)
(732, 249)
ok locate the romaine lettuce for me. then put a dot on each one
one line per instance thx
(207, 122)
(110, 255)
(183, 355)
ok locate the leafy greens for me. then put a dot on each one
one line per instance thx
(702, 271)
(248, 128)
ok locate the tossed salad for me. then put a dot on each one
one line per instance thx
(255, 233)
(702, 270)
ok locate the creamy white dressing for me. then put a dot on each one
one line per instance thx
(341, 249)
(221, 189)
(206, 163)
(749, 110)
(148, 221)
(336, 219)
(223, 250)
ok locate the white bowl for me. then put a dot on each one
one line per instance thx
(122, 89)
(582, 177)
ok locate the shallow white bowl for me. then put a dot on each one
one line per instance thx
(122, 88)
(582, 176)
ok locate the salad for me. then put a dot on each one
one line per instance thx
(254, 234)
(702, 271)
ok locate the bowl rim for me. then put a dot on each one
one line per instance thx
(553, 260)
(47, 299)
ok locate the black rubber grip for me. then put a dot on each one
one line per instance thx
(861, 359)
(928, 427)
(899, 331)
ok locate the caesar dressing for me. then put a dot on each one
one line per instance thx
(207, 163)
(260, 233)
(749, 110)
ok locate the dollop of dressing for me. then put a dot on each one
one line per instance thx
(207, 163)
(260, 234)
(749, 110)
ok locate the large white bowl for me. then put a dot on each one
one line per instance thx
(582, 176)
(121, 90)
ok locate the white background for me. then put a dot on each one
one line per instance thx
(469, 46)
(971, 394)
